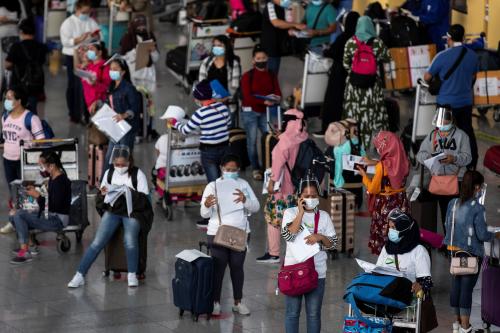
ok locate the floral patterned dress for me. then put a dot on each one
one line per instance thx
(366, 105)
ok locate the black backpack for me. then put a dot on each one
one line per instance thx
(404, 32)
(33, 78)
(308, 153)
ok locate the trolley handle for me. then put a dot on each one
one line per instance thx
(73, 140)
(422, 82)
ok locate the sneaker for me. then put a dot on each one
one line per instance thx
(77, 281)
(242, 309)
(132, 280)
(456, 327)
(33, 250)
(22, 257)
(7, 228)
(268, 259)
(470, 330)
(319, 135)
(257, 175)
(216, 311)
(202, 224)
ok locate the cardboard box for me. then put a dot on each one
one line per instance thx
(408, 65)
(487, 88)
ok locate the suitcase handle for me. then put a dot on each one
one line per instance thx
(73, 140)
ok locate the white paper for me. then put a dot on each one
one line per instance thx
(487, 87)
(301, 251)
(225, 196)
(191, 255)
(267, 178)
(430, 162)
(348, 162)
(301, 34)
(104, 121)
(86, 75)
(116, 191)
(372, 268)
(390, 70)
(419, 60)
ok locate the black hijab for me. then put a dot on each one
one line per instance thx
(336, 50)
(410, 236)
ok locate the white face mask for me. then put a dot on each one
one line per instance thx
(121, 170)
(311, 203)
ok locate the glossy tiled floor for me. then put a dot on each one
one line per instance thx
(34, 297)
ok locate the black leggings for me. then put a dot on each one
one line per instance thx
(222, 257)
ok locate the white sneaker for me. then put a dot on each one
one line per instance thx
(241, 309)
(77, 281)
(216, 311)
(456, 327)
(7, 228)
(132, 280)
(469, 330)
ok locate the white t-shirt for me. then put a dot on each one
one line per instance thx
(325, 228)
(162, 146)
(416, 263)
(117, 179)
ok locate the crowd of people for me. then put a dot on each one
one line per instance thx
(355, 93)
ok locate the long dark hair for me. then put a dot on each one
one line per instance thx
(123, 65)
(51, 157)
(228, 47)
(100, 46)
(469, 182)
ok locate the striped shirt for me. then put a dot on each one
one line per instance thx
(213, 122)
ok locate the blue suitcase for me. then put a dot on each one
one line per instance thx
(192, 287)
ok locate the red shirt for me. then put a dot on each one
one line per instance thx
(255, 82)
(98, 90)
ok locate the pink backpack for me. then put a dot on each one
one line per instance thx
(364, 65)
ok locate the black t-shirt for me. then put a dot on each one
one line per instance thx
(60, 195)
(23, 52)
(272, 37)
(219, 74)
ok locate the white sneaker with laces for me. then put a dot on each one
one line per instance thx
(7, 228)
(216, 311)
(469, 330)
(77, 281)
(456, 327)
(242, 309)
(132, 280)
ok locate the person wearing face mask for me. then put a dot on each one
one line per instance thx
(124, 100)
(386, 189)
(245, 203)
(308, 216)
(59, 205)
(258, 81)
(470, 232)
(122, 173)
(456, 91)
(76, 29)
(15, 127)
(403, 252)
(446, 139)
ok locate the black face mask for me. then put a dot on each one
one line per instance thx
(261, 64)
(143, 33)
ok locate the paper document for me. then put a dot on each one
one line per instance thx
(271, 98)
(142, 54)
(349, 162)
(301, 251)
(86, 75)
(191, 255)
(104, 121)
(115, 192)
(301, 34)
(432, 162)
(487, 87)
(225, 196)
(368, 267)
(267, 178)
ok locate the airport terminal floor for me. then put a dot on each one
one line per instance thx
(34, 297)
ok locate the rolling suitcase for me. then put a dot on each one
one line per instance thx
(192, 286)
(340, 204)
(78, 215)
(269, 141)
(96, 155)
(424, 208)
(238, 145)
(490, 293)
(274, 124)
(176, 61)
(393, 113)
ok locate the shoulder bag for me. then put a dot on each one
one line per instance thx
(436, 82)
(443, 184)
(301, 278)
(228, 236)
(466, 264)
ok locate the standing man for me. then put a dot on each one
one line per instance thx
(456, 92)
(76, 29)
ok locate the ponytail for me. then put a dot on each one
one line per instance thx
(51, 157)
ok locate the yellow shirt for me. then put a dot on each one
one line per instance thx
(374, 185)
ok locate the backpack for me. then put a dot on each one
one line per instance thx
(135, 171)
(405, 32)
(364, 65)
(47, 130)
(308, 153)
(33, 78)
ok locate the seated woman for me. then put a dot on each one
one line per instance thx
(238, 218)
(295, 219)
(122, 173)
(59, 196)
(403, 252)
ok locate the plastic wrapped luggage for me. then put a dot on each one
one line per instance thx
(192, 286)
(96, 155)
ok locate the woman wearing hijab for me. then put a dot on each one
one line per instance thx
(365, 104)
(387, 187)
(334, 96)
(404, 253)
(285, 152)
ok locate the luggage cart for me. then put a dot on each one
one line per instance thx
(315, 80)
(185, 178)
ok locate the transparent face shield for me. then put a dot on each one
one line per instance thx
(120, 151)
(442, 117)
(310, 180)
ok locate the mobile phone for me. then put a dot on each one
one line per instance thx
(362, 166)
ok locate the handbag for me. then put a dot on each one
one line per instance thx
(436, 82)
(444, 185)
(301, 278)
(466, 264)
(428, 316)
(95, 136)
(228, 236)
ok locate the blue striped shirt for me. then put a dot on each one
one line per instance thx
(213, 122)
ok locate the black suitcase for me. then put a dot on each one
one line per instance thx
(238, 146)
(393, 113)
(424, 208)
(176, 61)
(192, 286)
(269, 141)
(78, 215)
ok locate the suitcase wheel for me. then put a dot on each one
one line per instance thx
(63, 244)
(79, 236)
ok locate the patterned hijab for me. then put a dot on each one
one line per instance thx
(365, 29)
(393, 157)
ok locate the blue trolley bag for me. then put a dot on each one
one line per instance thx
(192, 286)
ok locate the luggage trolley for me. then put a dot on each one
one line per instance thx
(30, 172)
(315, 80)
(184, 174)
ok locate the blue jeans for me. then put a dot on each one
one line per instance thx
(211, 158)
(314, 301)
(251, 122)
(273, 64)
(462, 287)
(128, 140)
(25, 221)
(109, 224)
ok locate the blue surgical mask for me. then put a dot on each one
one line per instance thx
(114, 75)
(355, 140)
(83, 17)
(8, 105)
(445, 128)
(394, 236)
(285, 3)
(91, 55)
(218, 51)
(317, 2)
(230, 175)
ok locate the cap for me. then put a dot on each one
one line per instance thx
(174, 111)
(456, 33)
(202, 91)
